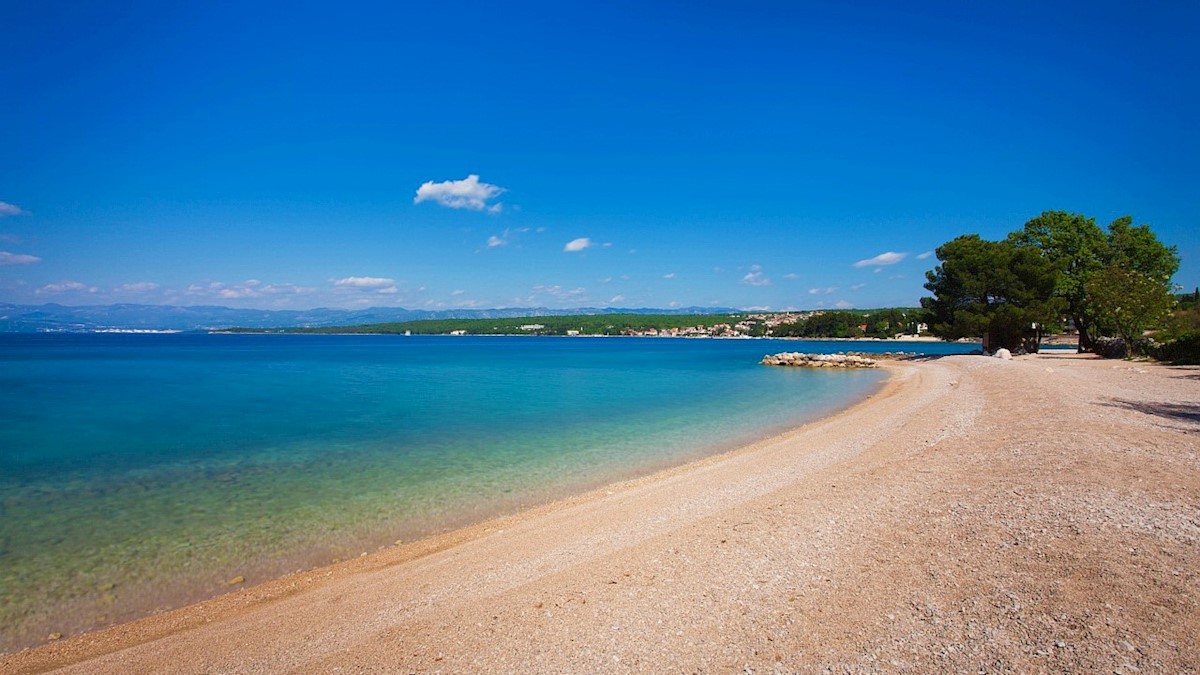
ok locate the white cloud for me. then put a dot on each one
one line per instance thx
(822, 291)
(842, 304)
(7, 209)
(888, 258)
(376, 285)
(616, 298)
(926, 254)
(457, 291)
(138, 287)
(669, 275)
(495, 208)
(66, 287)
(250, 288)
(364, 282)
(791, 275)
(494, 241)
(287, 289)
(467, 193)
(577, 245)
(856, 287)
(755, 277)
(557, 292)
(7, 258)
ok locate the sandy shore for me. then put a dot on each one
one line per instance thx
(1030, 515)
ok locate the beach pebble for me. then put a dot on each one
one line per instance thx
(54, 636)
(1003, 354)
(239, 579)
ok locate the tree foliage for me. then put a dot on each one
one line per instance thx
(1081, 250)
(1128, 302)
(1075, 245)
(876, 323)
(992, 287)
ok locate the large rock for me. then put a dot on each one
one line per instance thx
(800, 360)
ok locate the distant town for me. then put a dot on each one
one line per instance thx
(880, 323)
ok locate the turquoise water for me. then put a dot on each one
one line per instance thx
(139, 472)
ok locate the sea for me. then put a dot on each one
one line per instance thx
(141, 472)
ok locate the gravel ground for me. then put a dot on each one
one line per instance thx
(1040, 514)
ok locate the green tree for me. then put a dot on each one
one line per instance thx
(1081, 250)
(1077, 248)
(1128, 302)
(995, 288)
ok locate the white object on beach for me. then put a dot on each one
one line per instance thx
(1003, 353)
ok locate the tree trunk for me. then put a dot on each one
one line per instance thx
(1086, 344)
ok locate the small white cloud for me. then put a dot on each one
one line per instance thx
(364, 282)
(66, 287)
(495, 208)
(791, 275)
(755, 277)
(7, 258)
(287, 289)
(842, 304)
(926, 254)
(669, 275)
(577, 245)
(7, 209)
(457, 291)
(557, 292)
(822, 291)
(468, 193)
(888, 258)
(494, 241)
(138, 287)
(605, 280)
(856, 287)
(616, 299)
(379, 285)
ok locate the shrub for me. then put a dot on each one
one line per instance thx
(1183, 350)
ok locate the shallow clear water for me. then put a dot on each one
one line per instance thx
(142, 471)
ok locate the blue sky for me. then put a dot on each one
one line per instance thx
(632, 154)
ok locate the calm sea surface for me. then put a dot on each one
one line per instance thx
(139, 472)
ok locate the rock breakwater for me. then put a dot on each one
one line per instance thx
(802, 360)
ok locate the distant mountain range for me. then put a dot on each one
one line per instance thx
(54, 317)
